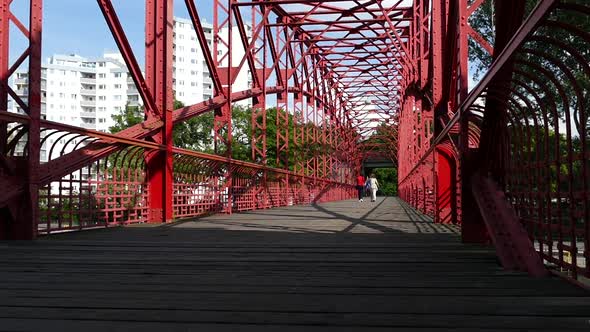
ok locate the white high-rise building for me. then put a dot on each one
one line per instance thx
(83, 92)
(192, 80)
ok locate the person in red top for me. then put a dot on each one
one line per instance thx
(360, 185)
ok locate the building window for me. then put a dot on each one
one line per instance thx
(193, 50)
(193, 83)
(181, 82)
(117, 97)
(181, 94)
(193, 72)
(74, 96)
(102, 109)
(62, 95)
(102, 98)
(117, 75)
(193, 61)
(181, 36)
(102, 120)
(180, 59)
(101, 64)
(102, 87)
(117, 86)
(117, 109)
(103, 75)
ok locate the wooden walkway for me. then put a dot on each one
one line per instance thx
(344, 266)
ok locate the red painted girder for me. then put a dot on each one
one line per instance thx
(399, 11)
(539, 13)
(480, 40)
(248, 55)
(66, 164)
(273, 3)
(194, 15)
(354, 30)
(336, 23)
(114, 25)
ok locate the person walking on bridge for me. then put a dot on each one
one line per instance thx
(374, 185)
(360, 185)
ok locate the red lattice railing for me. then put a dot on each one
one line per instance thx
(526, 128)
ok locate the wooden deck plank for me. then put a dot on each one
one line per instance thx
(342, 266)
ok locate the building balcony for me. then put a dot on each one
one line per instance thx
(133, 103)
(88, 125)
(22, 92)
(86, 80)
(88, 103)
(88, 114)
(90, 92)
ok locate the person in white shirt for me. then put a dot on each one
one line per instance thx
(373, 184)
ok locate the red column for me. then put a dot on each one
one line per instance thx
(223, 35)
(159, 39)
(19, 220)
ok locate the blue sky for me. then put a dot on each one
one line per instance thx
(78, 26)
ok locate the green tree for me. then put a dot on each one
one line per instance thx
(128, 117)
(387, 178)
(197, 133)
(193, 134)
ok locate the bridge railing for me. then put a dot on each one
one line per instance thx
(113, 190)
(538, 149)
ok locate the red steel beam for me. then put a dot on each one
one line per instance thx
(159, 41)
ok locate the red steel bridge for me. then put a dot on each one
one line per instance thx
(345, 83)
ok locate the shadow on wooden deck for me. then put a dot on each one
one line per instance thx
(343, 266)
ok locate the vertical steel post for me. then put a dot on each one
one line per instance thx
(21, 217)
(4, 68)
(259, 155)
(159, 41)
(222, 126)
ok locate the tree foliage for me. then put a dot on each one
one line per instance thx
(197, 134)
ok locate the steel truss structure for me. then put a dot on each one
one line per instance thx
(344, 81)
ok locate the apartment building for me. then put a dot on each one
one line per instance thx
(192, 79)
(79, 91)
